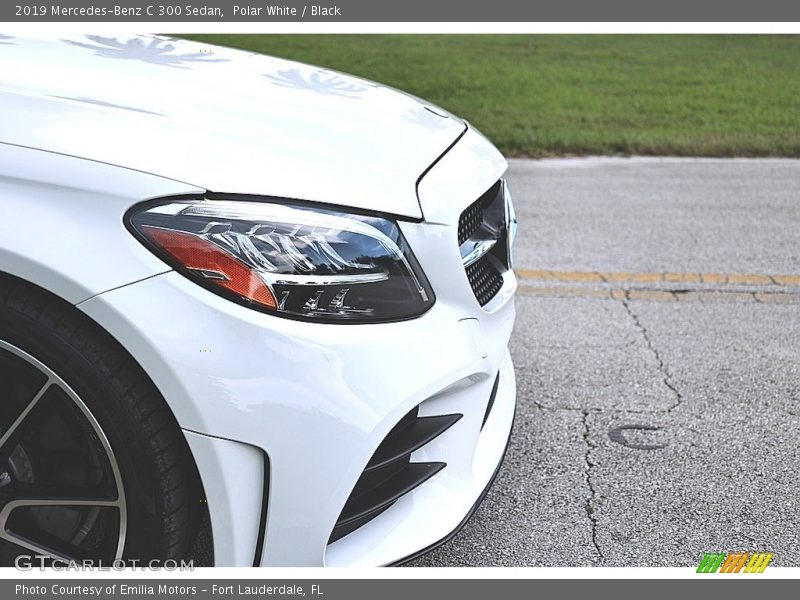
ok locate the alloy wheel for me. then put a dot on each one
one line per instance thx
(61, 492)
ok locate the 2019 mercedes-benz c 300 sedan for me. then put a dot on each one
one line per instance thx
(247, 288)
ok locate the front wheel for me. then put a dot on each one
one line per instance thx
(92, 463)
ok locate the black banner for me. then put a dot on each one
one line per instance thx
(465, 11)
(728, 587)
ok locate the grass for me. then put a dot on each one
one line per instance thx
(542, 95)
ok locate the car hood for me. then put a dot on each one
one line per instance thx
(221, 119)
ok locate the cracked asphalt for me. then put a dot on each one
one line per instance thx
(657, 350)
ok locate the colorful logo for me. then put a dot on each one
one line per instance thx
(735, 562)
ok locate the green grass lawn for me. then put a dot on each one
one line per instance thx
(539, 95)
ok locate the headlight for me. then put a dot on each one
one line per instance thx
(290, 260)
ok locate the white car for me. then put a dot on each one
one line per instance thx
(240, 286)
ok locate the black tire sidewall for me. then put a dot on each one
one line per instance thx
(122, 423)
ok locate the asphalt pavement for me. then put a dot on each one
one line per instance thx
(657, 350)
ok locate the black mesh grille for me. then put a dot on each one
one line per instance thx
(485, 280)
(472, 217)
(390, 474)
(482, 216)
(470, 220)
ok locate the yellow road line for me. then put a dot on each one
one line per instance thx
(651, 295)
(562, 291)
(656, 277)
(786, 279)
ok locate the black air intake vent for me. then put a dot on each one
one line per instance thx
(390, 474)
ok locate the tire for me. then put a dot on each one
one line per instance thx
(146, 456)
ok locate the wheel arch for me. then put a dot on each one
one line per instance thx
(11, 284)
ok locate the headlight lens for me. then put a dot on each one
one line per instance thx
(290, 260)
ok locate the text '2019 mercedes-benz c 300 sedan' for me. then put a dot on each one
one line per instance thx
(242, 291)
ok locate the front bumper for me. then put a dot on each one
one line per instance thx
(318, 400)
(301, 407)
(430, 514)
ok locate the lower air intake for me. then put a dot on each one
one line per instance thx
(390, 474)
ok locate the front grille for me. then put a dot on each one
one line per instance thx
(485, 218)
(485, 280)
(390, 474)
(471, 219)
